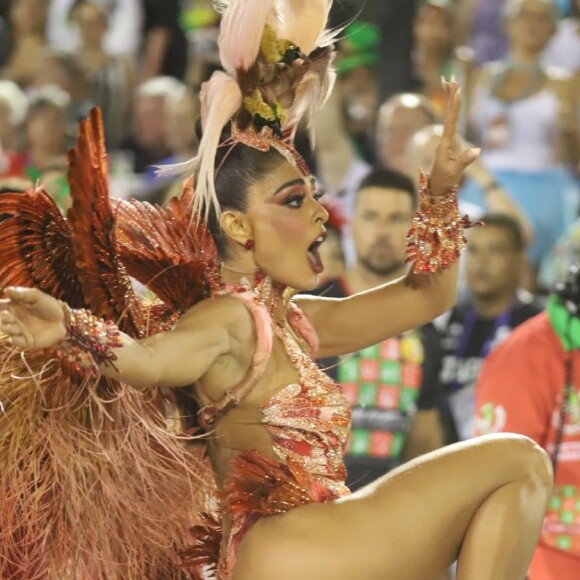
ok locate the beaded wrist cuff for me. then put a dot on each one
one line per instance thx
(436, 238)
(89, 343)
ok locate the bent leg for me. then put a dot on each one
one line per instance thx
(481, 502)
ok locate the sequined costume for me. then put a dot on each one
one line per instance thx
(308, 422)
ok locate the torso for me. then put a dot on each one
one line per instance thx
(254, 423)
(504, 102)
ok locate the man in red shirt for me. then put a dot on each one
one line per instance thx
(530, 384)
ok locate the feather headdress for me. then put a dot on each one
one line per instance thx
(277, 58)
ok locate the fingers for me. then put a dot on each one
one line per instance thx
(8, 324)
(469, 156)
(11, 327)
(19, 341)
(452, 108)
(26, 296)
(6, 317)
(17, 334)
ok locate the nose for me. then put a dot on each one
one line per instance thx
(321, 214)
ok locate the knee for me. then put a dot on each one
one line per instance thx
(527, 459)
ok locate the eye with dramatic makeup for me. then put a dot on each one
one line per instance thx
(294, 194)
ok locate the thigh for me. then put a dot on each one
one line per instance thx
(408, 525)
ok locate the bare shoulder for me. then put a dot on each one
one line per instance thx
(225, 312)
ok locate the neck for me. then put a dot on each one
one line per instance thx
(274, 296)
(360, 278)
(93, 49)
(524, 56)
(492, 306)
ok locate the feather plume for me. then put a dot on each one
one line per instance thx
(241, 31)
(314, 90)
(221, 99)
(92, 484)
(303, 21)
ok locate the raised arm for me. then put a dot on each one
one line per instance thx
(179, 357)
(350, 324)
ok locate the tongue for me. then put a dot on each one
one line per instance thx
(315, 261)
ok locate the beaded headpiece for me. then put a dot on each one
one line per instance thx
(276, 56)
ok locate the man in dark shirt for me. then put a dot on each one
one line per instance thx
(495, 306)
(383, 383)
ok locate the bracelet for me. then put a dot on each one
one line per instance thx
(436, 238)
(89, 342)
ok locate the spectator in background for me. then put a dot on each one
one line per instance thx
(123, 37)
(525, 118)
(27, 28)
(61, 70)
(566, 253)
(110, 79)
(182, 108)
(434, 54)
(531, 385)
(165, 48)
(383, 382)
(479, 26)
(149, 140)
(357, 84)
(13, 109)
(47, 142)
(564, 48)
(399, 118)
(200, 22)
(471, 330)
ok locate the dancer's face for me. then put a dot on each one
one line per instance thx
(286, 222)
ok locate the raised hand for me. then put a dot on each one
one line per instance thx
(31, 318)
(451, 157)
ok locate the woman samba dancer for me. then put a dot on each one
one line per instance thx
(274, 424)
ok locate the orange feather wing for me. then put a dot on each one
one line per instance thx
(36, 244)
(106, 286)
(165, 250)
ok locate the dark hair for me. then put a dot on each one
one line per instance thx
(237, 168)
(509, 224)
(569, 290)
(106, 7)
(389, 179)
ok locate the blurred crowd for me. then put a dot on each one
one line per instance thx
(518, 62)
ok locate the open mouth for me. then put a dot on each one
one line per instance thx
(313, 254)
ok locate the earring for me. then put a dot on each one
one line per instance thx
(249, 245)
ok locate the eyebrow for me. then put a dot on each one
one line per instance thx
(288, 184)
